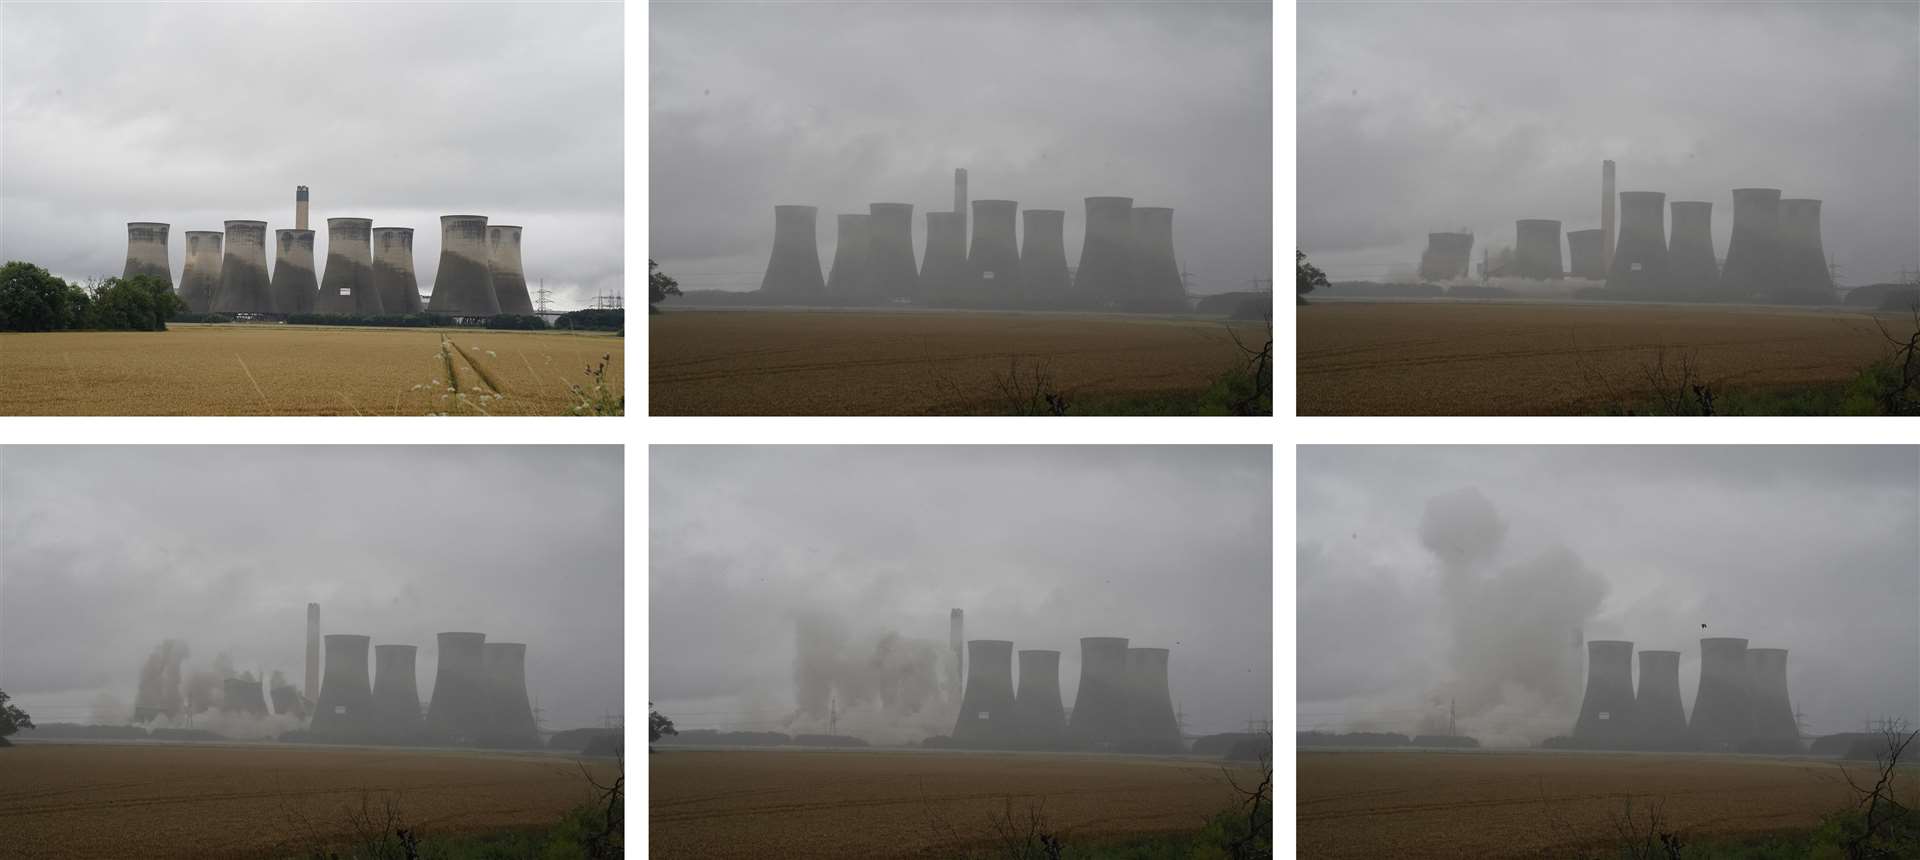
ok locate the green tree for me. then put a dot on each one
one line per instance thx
(658, 725)
(32, 299)
(659, 286)
(12, 719)
(139, 303)
(1306, 275)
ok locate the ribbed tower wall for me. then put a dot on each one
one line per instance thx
(1640, 260)
(244, 285)
(1100, 703)
(1803, 257)
(1044, 279)
(1606, 710)
(1151, 723)
(295, 290)
(200, 278)
(793, 269)
(1583, 255)
(849, 272)
(1039, 718)
(1660, 721)
(396, 694)
(1774, 726)
(1537, 249)
(986, 708)
(147, 251)
(890, 269)
(393, 277)
(241, 696)
(1105, 274)
(463, 286)
(1692, 267)
(943, 271)
(509, 710)
(457, 712)
(993, 260)
(509, 278)
(1753, 254)
(1156, 274)
(346, 287)
(1723, 707)
(345, 710)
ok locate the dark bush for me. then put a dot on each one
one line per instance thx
(517, 322)
(382, 320)
(594, 319)
(201, 318)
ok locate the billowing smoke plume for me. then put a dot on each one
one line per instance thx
(883, 687)
(160, 682)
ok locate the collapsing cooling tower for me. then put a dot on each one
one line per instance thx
(1105, 275)
(286, 702)
(244, 286)
(345, 709)
(944, 269)
(294, 288)
(1640, 260)
(1100, 703)
(993, 260)
(1039, 720)
(1536, 252)
(1606, 711)
(1691, 266)
(347, 285)
(956, 620)
(242, 696)
(793, 271)
(200, 278)
(1583, 255)
(393, 277)
(1775, 728)
(463, 287)
(1043, 257)
(312, 683)
(1659, 720)
(1722, 709)
(890, 270)
(1151, 723)
(458, 709)
(986, 708)
(396, 694)
(147, 251)
(509, 721)
(1803, 259)
(509, 280)
(1753, 254)
(1446, 256)
(1156, 275)
(850, 256)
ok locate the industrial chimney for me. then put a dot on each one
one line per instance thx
(1722, 709)
(1043, 258)
(1100, 703)
(244, 285)
(294, 288)
(509, 712)
(890, 270)
(1607, 222)
(1446, 257)
(1583, 254)
(147, 251)
(396, 694)
(986, 708)
(1691, 265)
(1804, 277)
(1775, 729)
(1753, 254)
(312, 684)
(242, 696)
(393, 277)
(793, 271)
(200, 278)
(1156, 275)
(1151, 724)
(1640, 260)
(345, 710)
(849, 271)
(463, 287)
(956, 639)
(1659, 720)
(1105, 275)
(1040, 722)
(1536, 249)
(960, 201)
(993, 260)
(300, 207)
(346, 287)
(944, 268)
(1606, 711)
(509, 280)
(458, 710)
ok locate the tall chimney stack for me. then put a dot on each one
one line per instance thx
(300, 208)
(1607, 231)
(313, 653)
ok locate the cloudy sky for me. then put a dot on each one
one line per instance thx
(839, 105)
(196, 114)
(106, 551)
(1426, 573)
(1429, 117)
(1171, 547)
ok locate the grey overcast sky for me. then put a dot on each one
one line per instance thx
(1434, 572)
(106, 551)
(196, 114)
(838, 105)
(1429, 117)
(770, 564)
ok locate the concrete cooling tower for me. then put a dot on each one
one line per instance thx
(890, 270)
(1100, 703)
(1151, 723)
(147, 251)
(1753, 254)
(993, 260)
(1606, 711)
(1803, 258)
(346, 287)
(1043, 257)
(1040, 722)
(1691, 266)
(312, 681)
(393, 277)
(463, 287)
(986, 708)
(509, 279)
(345, 709)
(294, 287)
(793, 271)
(286, 702)
(943, 271)
(849, 271)
(1640, 260)
(1775, 729)
(956, 640)
(396, 694)
(458, 710)
(200, 279)
(1722, 709)
(1105, 274)
(1660, 722)
(241, 696)
(1156, 274)
(1584, 259)
(1446, 257)
(1536, 249)
(1608, 231)
(509, 713)
(244, 285)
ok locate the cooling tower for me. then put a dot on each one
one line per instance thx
(241, 696)
(1691, 266)
(960, 201)
(1753, 254)
(1608, 232)
(345, 709)
(509, 280)
(1446, 256)
(463, 287)
(300, 207)
(347, 285)
(1722, 711)
(1606, 711)
(993, 260)
(244, 285)
(294, 288)
(458, 709)
(1774, 725)
(1100, 703)
(890, 270)
(944, 270)
(1536, 249)
(1803, 259)
(1659, 720)
(1640, 258)
(793, 271)
(1040, 722)
(287, 703)
(312, 692)
(396, 694)
(986, 708)
(956, 633)
(1584, 259)
(1156, 274)
(1105, 275)
(147, 251)
(393, 278)
(509, 712)
(1151, 723)
(849, 272)
(200, 278)
(1043, 257)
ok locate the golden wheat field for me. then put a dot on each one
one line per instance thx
(1442, 358)
(907, 363)
(784, 803)
(1548, 804)
(103, 800)
(301, 370)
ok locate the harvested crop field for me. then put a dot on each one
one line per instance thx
(784, 803)
(1486, 358)
(190, 800)
(1537, 804)
(920, 363)
(299, 370)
